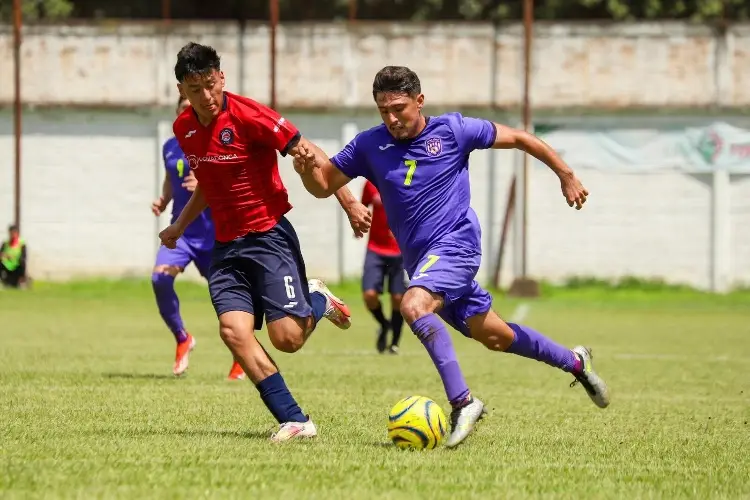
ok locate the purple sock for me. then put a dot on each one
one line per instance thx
(436, 339)
(169, 304)
(531, 344)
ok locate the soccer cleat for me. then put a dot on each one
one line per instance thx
(337, 311)
(182, 355)
(594, 385)
(463, 420)
(236, 373)
(393, 349)
(295, 430)
(382, 339)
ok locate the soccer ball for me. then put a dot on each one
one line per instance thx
(416, 423)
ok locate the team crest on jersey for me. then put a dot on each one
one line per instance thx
(433, 146)
(226, 136)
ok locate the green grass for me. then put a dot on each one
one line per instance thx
(89, 409)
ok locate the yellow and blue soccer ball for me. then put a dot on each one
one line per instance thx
(417, 423)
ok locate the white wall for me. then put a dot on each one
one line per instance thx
(89, 179)
(584, 64)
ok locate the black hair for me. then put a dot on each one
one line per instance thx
(399, 79)
(179, 101)
(13, 227)
(196, 59)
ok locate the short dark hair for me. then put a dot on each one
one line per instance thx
(179, 101)
(13, 227)
(399, 79)
(196, 59)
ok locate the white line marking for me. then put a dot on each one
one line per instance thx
(520, 313)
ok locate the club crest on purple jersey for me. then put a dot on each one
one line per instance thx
(433, 146)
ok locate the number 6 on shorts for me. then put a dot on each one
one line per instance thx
(289, 288)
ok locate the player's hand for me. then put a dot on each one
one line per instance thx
(190, 182)
(360, 219)
(304, 160)
(574, 192)
(158, 206)
(170, 235)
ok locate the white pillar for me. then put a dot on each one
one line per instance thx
(721, 232)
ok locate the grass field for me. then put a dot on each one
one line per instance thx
(89, 408)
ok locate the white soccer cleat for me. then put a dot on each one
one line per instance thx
(595, 387)
(295, 430)
(463, 421)
(337, 311)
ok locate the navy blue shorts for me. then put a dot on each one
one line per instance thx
(377, 267)
(262, 274)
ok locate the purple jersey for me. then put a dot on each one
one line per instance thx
(200, 232)
(423, 182)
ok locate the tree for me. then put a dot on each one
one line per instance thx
(32, 10)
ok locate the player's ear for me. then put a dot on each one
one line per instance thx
(420, 101)
(221, 75)
(182, 92)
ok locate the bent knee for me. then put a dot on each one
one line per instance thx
(288, 342)
(496, 343)
(230, 334)
(418, 304)
(165, 270)
(371, 298)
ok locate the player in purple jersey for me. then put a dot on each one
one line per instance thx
(420, 165)
(195, 246)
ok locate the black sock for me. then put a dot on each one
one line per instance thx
(397, 322)
(378, 314)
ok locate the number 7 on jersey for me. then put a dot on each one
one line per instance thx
(412, 164)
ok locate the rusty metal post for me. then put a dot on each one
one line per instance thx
(274, 11)
(166, 11)
(528, 26)
(17, 108)
(523, 286)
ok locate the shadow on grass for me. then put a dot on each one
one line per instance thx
(139, 376)
(186, 433)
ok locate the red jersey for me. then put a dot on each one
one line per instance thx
(234, 160)
(381, 240)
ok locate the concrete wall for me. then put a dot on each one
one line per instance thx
(89, 179)
(329, 64)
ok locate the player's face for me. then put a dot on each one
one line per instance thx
(401, 113)
(205, 93)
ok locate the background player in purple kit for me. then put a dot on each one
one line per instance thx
(194, 246)
(420, 166)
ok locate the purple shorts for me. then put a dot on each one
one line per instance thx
(184, 253)
(449, 271)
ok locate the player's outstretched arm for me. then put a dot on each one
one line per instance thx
(320, 177)
(511, 138)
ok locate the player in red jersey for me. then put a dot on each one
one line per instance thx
(383, 258)
(257, 270)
